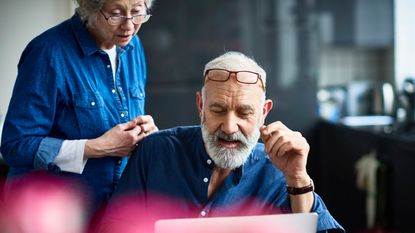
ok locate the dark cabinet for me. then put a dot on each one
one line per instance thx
(337, 149)
(374, 23)
(366, 23)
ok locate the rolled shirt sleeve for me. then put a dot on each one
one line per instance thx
(71, 156)
(47, 152)
(61, 155)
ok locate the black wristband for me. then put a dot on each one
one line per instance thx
(301, 190)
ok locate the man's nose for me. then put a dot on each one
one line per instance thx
(230, 124)
(233, 77)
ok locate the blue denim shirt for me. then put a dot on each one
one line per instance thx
(65, 90)
(174, 163)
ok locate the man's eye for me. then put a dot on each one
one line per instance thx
(217, 111)
(245, 114)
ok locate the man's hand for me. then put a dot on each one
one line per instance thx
(288, 150)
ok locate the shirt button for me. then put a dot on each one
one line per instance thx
(119, 162)
(120, 88)
(93, 103)
(122, 115)
(108, 66)
(209, 161)
(113, 91)
(205, 179)
(141, 94)
(203, 213)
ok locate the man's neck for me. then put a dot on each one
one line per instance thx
(216, 180)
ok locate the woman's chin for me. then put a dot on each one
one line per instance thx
(123, 41)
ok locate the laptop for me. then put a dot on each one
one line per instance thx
(280, 223)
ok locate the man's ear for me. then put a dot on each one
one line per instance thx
(266, 108)
(199, 103)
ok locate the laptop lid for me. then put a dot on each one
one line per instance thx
(280, 223)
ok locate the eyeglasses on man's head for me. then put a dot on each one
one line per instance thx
(242, 76)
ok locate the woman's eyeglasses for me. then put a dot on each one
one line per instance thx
(136, 19)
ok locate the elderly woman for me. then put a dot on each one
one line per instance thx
(77, 107)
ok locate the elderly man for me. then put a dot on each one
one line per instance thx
(219, 168)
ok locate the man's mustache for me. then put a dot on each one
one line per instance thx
(236, 137)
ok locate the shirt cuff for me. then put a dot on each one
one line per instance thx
(47, 152)
(71, 156)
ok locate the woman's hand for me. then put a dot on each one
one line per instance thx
(121, 139)
(146, 123)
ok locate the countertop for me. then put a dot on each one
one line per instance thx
(387, 132)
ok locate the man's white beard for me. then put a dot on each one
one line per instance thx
(225, 157)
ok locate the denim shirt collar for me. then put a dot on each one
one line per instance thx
(86, 41)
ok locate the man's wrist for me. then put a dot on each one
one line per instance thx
(298, 181)
(90, 149)
(293, 190)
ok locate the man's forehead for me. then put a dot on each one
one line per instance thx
(235, 95)
(232, 89)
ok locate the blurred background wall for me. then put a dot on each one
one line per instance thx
(184, 35)
(181, 37)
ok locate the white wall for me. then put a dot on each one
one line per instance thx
(21, 20)
(404, 40)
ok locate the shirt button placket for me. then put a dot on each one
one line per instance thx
(203, 212)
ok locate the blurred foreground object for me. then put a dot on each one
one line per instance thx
(42, 203)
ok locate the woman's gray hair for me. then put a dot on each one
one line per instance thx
(86, 8)
(235, 61)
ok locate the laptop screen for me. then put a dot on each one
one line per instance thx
(280, 223)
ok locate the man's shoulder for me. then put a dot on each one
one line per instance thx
(181, 134)
(170, 143)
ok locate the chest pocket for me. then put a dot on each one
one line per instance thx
(137, 96)
(91, 114)
(137, 93)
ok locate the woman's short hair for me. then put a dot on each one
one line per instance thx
(86, 8)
